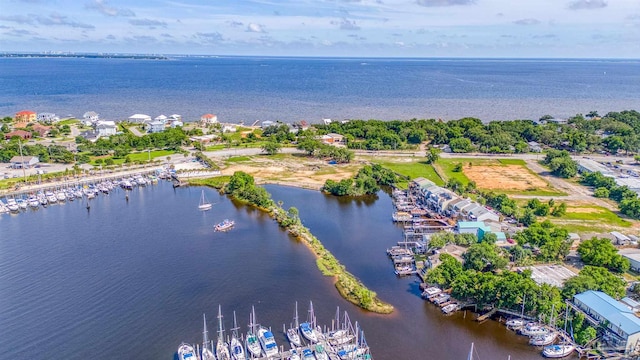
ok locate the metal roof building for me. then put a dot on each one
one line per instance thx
(620, 321)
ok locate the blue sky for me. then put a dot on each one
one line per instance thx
(358, 28)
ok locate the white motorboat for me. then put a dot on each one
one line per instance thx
(204, 203)
(293, 355)
(267, 341)
(292, 333)
(450, 308)
(252, 342)
(307, 355)
(224, 225)
(542, 340)
(515, 323)
(222, 350)
(186, 352)
(33, 202)
(558, 351)
(12, 205)
(340, 337)
(206, 353)
(61, 196)
(431, 291)
(235, 345)
(22, 204)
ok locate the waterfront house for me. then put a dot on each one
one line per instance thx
(477, 228)
(42, 130)
(162, 118)
(176, 123)
(19, 162)
(265, 124)
(229, 128)
(326, 121)
(25, 135)
(207, 119)
(619, 321)
(48, 118)
(139, 118)
(175, 117)
(25, 116)
(106, 128)
(90, 117)
(156, 126)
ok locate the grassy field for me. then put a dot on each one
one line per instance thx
(590, 218)
(413, 169)
(141, 156)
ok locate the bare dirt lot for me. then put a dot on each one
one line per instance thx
(504, 177)
(305, 172)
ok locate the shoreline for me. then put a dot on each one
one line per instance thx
(347, 285)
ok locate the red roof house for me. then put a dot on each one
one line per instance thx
(25, 116)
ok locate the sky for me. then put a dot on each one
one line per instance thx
(350, 28)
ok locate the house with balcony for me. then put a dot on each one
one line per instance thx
(25, 116)
(47, 118)
(156, 126)
(208, 119)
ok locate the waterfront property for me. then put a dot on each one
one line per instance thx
(25, 116)
(48, 118)
(24, 162)
(633, 255)
(139, 118)
(622, 326)
(207, 119)
(105, 128)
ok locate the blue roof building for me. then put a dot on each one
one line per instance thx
(620, 320)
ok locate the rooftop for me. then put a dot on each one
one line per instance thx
(611, 310)
(554, 275)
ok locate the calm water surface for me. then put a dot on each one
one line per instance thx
(293, 89)
(132, 279)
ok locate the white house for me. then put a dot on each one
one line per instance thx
(156, 126)
(19, 162)
(326, 121)
(162, 118)
(91, 117)
(228, 128)
(266, 124)
(208, 119)
(633, 255)
(106, 128)
(176, 123)
(139, 118)
(48, 118)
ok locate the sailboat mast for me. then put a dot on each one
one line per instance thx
(205, 333)
(470, 357)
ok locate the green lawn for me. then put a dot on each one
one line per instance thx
(512, 162)
(236, 159)
(414, 169)
(590, 218)
(140, 156)
(447, 166)
(68, 122)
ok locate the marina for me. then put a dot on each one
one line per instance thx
(342, 340)
(131, 284)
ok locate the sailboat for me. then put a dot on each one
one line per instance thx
(206, 353)
(253, 345)
(307, 327)
(222, 351)
(186, 352)
(559, 350)
(237, 350)
(204, 203)
(292, 333)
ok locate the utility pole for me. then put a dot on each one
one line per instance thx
(24, 172)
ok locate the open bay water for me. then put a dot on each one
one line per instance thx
(132, 279)
(292, 89)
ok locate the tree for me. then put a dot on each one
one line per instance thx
(592, 114)
(445, 273)
(441, 239)
(559, 210)
(484, 256)
(594, 278)
(528, 218)
(601, 192)
(601, 252)
(271, 147)
(457, 167)
(461, 145)
(433, 155)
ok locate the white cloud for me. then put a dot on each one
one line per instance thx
(102, 7)
(256, 28)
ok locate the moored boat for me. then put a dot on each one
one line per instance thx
(450, 308)
(222, 351)
(224, 225)
(206, 353)
(235, 345)
(533, 329)
(252, 343)
(186, 352)
(320, 352)
(292, 333)
(542, 340)
(267, 341)
(204, 203)
(558, 351)
(515, 323)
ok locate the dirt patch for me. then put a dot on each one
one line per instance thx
(307, 173)
(506, 177)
